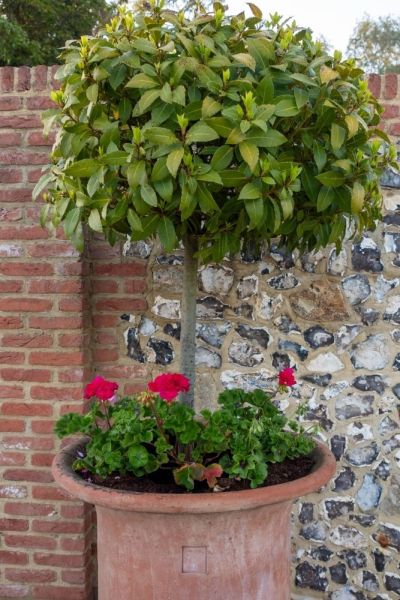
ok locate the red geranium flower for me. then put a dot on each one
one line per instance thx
(169, 385)
(286, 377)
(102, 389)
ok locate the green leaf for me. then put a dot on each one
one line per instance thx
(235, 137)
(174, 160)
(160, 135)
(117, 158)
(143, 82)
(310, 184)
(255, 10)
(262, 50)
(165, 189)
(201, 132)
(166, 233)
(95, 182)
(308, 81)
(166, 93)
(146, 100)
(117, 76)
(352, 124)
(255, 210)
(206, 200)
(144, 46)
(270, 139)
(160, 170)
(265, 90)
(134, 220)
(42, 184)
(82, 168)
(210, 107)
(286, 108)
(136, 173)
(232, 178)
(338, 136)
(221, 125)
(250, 154)
(357, 197)
(245, 59)
(319, 156)
(92, 92)
(331, 178)
(94, 220)
(137, 456)
(250, 191)
(124, 109)
(326, 74)
(148, 194)
(71, 221)
(325, 198)
(301, 97)
(222, 158)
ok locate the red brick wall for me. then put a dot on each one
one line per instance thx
(59, 323)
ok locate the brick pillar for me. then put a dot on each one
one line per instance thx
(45, 536)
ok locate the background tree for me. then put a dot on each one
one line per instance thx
(33, 31)
(376, 44)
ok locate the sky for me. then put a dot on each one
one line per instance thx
(334, 20)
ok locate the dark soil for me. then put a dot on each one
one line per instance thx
(162, 481)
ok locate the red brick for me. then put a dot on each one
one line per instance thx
(13, 558)
(42, 460)
(43, 427)
(124, 371)
(29, 270)
(58, 526)
(72, 268)
(12, 358)
(100, 355)
(135, 286)
(73, 544)
(27, 443)
(14, 525)
(30, 575)
(29, 509)
(52, 249)
(9, 459)
(52, 592)
(21, 121)
(120, 270)
(71, 375)
(390, 86)
(23, 77)
(6, 79)
(11, 391)
(101, 321)
(39, 78)
(59, 560)
(10, 286)
(42, 542)
(26, 409)
(78, 510)
(71, 340)
(72, 304)
(134, 388)
(11, 138)
(36, 138)
(10, 214)
(75, 577)
(55, 286)
(8, 175)
(10, 322)
(103, 286)
(34, 175)
(10, 103)
(9, 590)
(58, 358)
(394, 129)
(27, 340)
(35, 375)
(12, 425)
(27, 475)
(17, 157)
(106, 338)
(39, 103)
(24, 232)
(122, 304)
(15, 195)
(44, 492)
(55, 393)
(56, 323)
(67, 408)
(391, 111)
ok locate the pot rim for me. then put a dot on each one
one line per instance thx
(322, 472)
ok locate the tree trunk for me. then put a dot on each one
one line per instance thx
(188, 317)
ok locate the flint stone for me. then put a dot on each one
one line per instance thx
(320, 380)
(372, 354)
(337, 507)
(319, 413)
(216, 279)
(171, 278)
(286, 325)
(317, 337)
(262, 379)
(210, 307)
(257, 334)
(173, 329)
(345, 335)
(282, 256)
(139, 249)
(348, 537)
(315, 531)
(338, 573)
(327, 362)
(391, 533)
(369, 383)
(166, 308)
(321, 553)
(391, 444)
(362, 456)
(245, 354)
(379, 560)
(247, 287)
(356, 289)
(268, 305)
(396, 362)
(345, 480)
(133, 345)
(338, 446)
(355, 560)
(392, 310)
(346, 593)
(383, 286)
(369, 316)
(360, 431)
(244, 310)
(370, 582)
(369, 494)
(392, 583)
(383, 469)
(334, 390)
(286, 281)
(306, 513)
(290, 346)
(396, 390)
(387, 425)
(321, 301)
(170, 259)
(391, 503)
(354, 405)
(337, 263)
(213, 334)
(396, 335)
(311, 576)
(251, 251)
(311, 260)
(366, 256)
(147, 327)
(280, 361)
(206, 358)
(363, 520)
(391, 241)
(164, 352)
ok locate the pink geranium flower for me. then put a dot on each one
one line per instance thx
(169, 385)
(102, 389)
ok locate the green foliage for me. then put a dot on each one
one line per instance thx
(220, 127)
(33, 32)
(376, 44)
(143, 434)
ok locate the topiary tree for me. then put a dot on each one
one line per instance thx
(212, 132)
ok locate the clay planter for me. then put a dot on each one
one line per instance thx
(227, 545)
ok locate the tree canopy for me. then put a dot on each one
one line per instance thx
(376, 44)
(33, 31)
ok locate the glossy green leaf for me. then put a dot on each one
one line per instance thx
(331, 178)
(286, 108)
(201, 132)
(134, 220)
(174, 160)
(136, 173)
(245, 59)
(160, 135)
(250, 191)
(166, 233)
(71, 221)
(206, 200)
(94, 220)
(255, 210)
(262, 50)
(124, 109)
(142, 82)
(325, 198)
(210, 107)
(265, 90)
(250, 154)
(222, 158)
(82, 168)
(338, 136)
(271, 139)
(148, 194)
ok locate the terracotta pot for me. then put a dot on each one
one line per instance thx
(222, 546)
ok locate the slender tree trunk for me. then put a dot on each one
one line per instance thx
(188, 317)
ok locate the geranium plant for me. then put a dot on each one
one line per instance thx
(152, 432)
(210, 132)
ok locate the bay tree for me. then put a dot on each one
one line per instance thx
(211, 132)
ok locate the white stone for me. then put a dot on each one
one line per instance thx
(337, 263)
(325, 363)
(13, 491)
(369, 494)
(166, 308)
(268, 306)
(249, 381)
(334, 390)
(392, 306)
(390, 242)
(141, 248)
(345, 335)
(147, 326)
(383, 286)
(391, 200)
(368, 243)
(216, 279)
(206, 358)
(346, 593)
(247, 287)
(372, 354)
(348, 537)
(364, 432)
